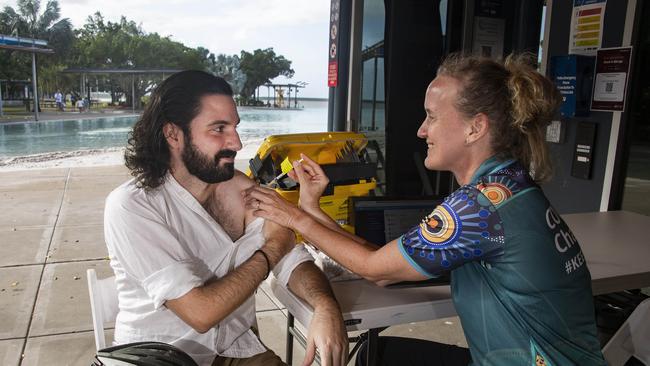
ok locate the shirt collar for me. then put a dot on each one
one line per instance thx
(184, 195)
(490, 166)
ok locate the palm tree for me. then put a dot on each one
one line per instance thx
(31, 21)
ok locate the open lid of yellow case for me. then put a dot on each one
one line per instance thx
(322, 147)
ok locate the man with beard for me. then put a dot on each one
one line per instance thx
(187, 255)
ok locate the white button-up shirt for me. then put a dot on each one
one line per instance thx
(162, 243)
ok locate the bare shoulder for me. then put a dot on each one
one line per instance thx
(241, 180)
(237, 183)
(228, 196)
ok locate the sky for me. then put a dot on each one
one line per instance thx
(296, 29)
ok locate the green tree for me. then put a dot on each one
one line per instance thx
(125, 45)
(31, 21)
(260, 67)
(228, 67)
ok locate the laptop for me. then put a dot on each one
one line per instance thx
(382, 219)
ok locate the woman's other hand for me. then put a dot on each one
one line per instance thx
(312, 180)
(268, 204)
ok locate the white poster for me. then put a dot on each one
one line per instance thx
(488, 37)
(587, 26)
(610, 87)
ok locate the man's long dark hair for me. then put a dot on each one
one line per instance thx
(176, 100)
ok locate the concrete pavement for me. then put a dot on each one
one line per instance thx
(50, 232)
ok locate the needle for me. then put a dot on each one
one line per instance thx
(274, 182)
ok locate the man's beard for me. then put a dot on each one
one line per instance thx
(205, 168)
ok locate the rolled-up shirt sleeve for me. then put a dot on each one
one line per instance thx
(148, 251)
(285, 267)
(171, 282)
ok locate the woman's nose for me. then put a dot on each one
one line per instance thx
(422, 131)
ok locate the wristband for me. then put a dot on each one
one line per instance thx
(268, 263)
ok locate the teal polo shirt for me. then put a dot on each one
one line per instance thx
(519, 281)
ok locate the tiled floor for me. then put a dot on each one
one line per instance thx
(50, 232)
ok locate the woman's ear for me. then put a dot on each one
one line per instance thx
(172, 135)
(479, 126)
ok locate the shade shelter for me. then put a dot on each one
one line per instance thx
(84, 72)
(278, 92)
(32, 46)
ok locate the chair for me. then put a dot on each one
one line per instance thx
(103, 304)
(632, 339)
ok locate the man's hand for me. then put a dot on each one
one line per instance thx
(327, 334)
(279, 241)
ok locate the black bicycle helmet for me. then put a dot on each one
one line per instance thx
(143, 354)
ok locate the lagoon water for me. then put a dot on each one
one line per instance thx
(22, 139)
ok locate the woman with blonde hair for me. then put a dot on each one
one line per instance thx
(519, 280)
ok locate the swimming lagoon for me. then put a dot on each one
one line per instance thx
(29, 138)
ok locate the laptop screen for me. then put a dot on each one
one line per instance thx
(382, 219)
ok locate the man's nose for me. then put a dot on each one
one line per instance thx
(234, 142)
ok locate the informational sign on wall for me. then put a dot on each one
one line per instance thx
(488, 37)
(587, 26)
(489, 29)
(333, 64)
(610, 83)
(573, 76)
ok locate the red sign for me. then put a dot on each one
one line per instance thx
(333, 74)
(333, 66)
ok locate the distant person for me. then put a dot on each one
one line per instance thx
(519, 280)
(80, 105)
(58, 98)
(187, 255)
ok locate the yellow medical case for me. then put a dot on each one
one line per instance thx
(342, 155)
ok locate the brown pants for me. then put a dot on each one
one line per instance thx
(267, 358)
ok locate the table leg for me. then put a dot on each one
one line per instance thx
(371, 350)
(289, 339)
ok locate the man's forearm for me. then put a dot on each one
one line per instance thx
(311, 285)
(205, 306)
(327, 332)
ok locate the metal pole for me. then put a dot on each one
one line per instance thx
(88, 89)
(339, 119)
(374, 95)
(34, 85)
(289, 346)
(1, 114)
(354, 101)
(133, 93)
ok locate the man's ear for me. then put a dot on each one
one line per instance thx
(479, 126)
(173, 135)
